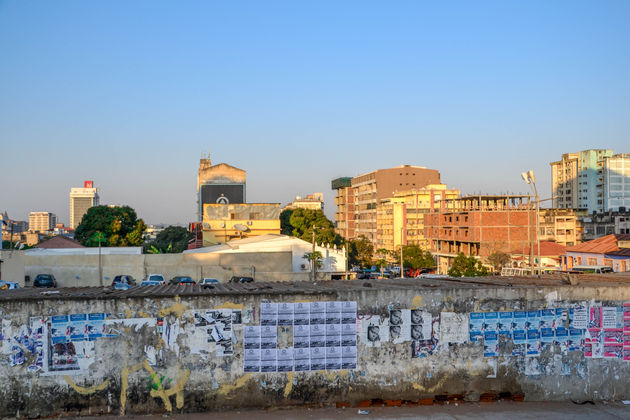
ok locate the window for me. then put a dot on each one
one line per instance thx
(591, 261)
(254, 216)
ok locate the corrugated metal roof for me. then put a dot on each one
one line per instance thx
(603, 245)
(329, 287)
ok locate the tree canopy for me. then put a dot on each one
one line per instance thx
(172, 240)
(498, 259)
(464, 266)
(360, 252)
(119, 225)
(300, 222)
(414, 257)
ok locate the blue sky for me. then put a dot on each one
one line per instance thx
(130, 93)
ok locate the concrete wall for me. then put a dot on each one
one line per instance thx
(82, 270)
(156, 360)
(12, 266)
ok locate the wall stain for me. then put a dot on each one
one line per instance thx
(289, 386)
(416, 302)
(177, 308)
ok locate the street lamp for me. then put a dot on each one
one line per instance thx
(530, 179)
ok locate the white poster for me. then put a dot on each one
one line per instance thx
(453, 327)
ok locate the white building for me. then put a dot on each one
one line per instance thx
(617, 182)
(41, 221)
(334, 259)
(81, 199)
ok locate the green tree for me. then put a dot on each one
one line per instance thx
(172, 240)
(464, 266)
(360, 252)
(119, 225)
(414, 257)
(498, 259)
(285, 222)
(314, 256)
(301, 222)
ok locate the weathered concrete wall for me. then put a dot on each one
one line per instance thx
(13, 266)
(157, 361)
(82, 270)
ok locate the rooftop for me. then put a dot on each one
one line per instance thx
(329, 287)
(604, 245)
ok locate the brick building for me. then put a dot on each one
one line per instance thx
(480, 225)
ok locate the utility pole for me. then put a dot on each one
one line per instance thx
(402, 271)
(313, 262)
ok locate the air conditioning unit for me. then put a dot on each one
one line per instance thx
(222, 225)
(249, 222)
(303, 267)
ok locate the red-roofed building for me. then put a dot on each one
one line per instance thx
(57, 242)
(610, 250)
(550, 255)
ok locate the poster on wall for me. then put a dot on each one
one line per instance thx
(578, 318)
(399, 325)
(504, 327)
(475, 326)
(454, 327)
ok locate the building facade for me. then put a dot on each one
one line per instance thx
(617, 182)
(219, 184)
(400, 218)
(577, 180)
(611, 251)
(41, 221)
(562, 226)
(313, 201)
(480, 225)
(344, 200)
(224, 222)
(370, 188)
(607, 223)
(81, 199)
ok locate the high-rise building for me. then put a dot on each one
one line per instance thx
(41, 221)
(219, 184)
(577, 180)
(344, 216)
(313, 201)
(617, 182)
(370, 188)
(81, 199)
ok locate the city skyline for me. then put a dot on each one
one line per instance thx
(300, 94)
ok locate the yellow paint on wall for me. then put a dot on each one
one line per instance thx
(177, 308)
(422, 388)
(227, 388)
(289, 386)
(165, 394)
(86, 391)
(231, 305)
(124, 379)
(416, 302)
(142, 314)
(128, 313)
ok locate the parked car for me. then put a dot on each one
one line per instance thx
(181, 280)
(44, 280)
(123, 279)
(241, 279)
(8, 285)
(208, 283)
(151, 283)
(155, 277)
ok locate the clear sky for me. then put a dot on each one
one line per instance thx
(130, 93)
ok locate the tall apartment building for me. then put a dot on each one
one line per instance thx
(219, 184)
(479, 225)
(344, 216)
(81, 199)
(41, 221)
(400, 218)
(606, 223)
(617, 182)
(577, 180)
(370, 188)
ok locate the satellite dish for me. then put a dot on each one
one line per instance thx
(241, 227)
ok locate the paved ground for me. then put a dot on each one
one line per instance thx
(465, 411)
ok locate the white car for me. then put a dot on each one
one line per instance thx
(155, 277)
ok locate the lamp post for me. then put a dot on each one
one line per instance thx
(98, 236)
(530, 179)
